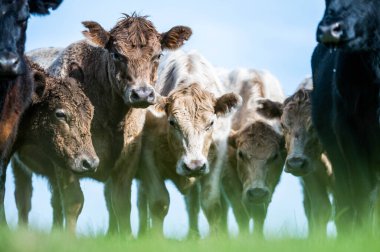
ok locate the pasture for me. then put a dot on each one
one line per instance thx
(191, 131)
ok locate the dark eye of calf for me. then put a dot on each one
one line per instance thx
(209, 126)
(240, 154)
(273, 158)
(60, 115)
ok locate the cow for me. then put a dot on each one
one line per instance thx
(117, 71)
(187, 143)
(306, 158)
(16, 84)
(176, 146)
(54, 131)
(256, 151)
(345, 101)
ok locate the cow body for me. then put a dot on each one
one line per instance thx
(55, 131)
(16, 86)
(306, 158)
(256, 149)
(194, 162)
(117, 71)
(344, 105)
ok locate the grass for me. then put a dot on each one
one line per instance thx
(26, 240)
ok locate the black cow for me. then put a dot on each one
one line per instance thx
(16, 85)
(346, 75)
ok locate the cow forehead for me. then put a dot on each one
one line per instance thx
(189, 107)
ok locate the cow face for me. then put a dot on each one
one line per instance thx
(60, 118)
(134, 48)
(260, 157)
(13, 21)
(351, 24)
(301, 139)
(192, 113)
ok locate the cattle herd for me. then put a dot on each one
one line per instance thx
(129, 104)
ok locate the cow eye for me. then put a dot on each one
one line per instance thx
(173, 123)
(159, 56)
(210, 125)
(116, 56)
(240, 154)
(60, 115)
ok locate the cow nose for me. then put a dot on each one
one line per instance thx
(10, 64)
(330, 33)
(89, 164)
(195, 167)
(143, 96)
(257, 195)
(296, 165)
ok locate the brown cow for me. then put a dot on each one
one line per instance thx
(117, 71)
(306, 159)
(256, 149)
(176, 146)
(16, 85)
(54, 131)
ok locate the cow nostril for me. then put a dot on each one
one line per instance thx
(202, 168)
(134, 95)
(86, 165)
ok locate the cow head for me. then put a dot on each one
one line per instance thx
(13, 21)
(134, 48)
(60, 120)
(260, 155)
(351, 24)
(192, 113)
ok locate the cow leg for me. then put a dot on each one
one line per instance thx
(112, 221)
(3, 172)
(142, 206)
(56, 203)
(193, 208)
(210, 190)
(23, 191)
(259, 213)
(72, 197)
(317, 204)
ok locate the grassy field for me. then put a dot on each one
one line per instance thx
(24, 240)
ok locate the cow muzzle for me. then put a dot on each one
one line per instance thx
(142, 97)
(297, 165)
(332, 33)
(192, 167)
(10, 64)
(85, 163)
(257, 195)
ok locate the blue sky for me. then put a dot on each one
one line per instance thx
(276, 35)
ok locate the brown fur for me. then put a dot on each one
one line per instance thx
(110, 73)
(45, 138)
(315, 174)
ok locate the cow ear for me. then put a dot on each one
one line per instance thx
(226, 103)
(175, 37)
(96, 34)
(269, 109)
(42, 7)
(39, 79)
(232, 139)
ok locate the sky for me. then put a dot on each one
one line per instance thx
(276, 35)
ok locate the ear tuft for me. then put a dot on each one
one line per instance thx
(96, 34)
(39, 79)
(76, 72)
(175, 37)
(269, 109)
(226, 103)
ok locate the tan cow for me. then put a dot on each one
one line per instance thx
(186, 144)
(256, 148)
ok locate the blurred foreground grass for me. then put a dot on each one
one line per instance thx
(29, 241)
